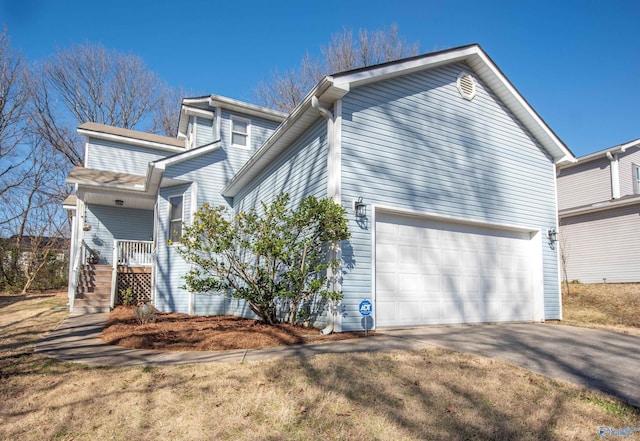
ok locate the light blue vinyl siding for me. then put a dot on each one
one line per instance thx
(211, 171)
(301, 171)
(414, 143)
(170, 266)
(109, 223)
(260, 131)
(204, 131)
(120, 157)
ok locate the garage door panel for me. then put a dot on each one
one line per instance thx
(451, 258)
(430, 272)
(409, 282)
(431, 283)
(386, 253)
(386, 281)
(467, 312)
(472, 285)
(431, 257)
(408, 311)
(408, 254)
(431, 313)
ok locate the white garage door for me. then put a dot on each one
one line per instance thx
(439, 272)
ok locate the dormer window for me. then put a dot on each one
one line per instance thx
(240, 132)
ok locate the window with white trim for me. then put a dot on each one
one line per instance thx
(636, 179)
(175, 218)
(240, 132)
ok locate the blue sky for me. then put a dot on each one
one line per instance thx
(576, 62)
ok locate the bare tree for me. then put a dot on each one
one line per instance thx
(564, 259)
(284, 91)
(165, 114)
(88, 83)
(34, 222)
(40, 108)
(13, 103)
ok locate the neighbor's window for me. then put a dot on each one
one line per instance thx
(636, 179)
(175, 218)
(240, 132)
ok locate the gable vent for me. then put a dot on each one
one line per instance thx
(466, 85)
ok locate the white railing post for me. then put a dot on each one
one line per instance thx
(114, 274)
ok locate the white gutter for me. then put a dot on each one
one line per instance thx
(597, 155)
(599, 206)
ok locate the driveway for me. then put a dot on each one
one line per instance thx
(596, 359)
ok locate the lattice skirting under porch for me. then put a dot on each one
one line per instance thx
(136, 278)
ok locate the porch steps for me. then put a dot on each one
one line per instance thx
(94, 289)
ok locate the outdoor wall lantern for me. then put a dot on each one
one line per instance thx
(552, 234)
(360, 207)
(119, 202)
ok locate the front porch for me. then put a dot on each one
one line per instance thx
(127, 279)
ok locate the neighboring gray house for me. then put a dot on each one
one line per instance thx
(599, 210)
(452, 169)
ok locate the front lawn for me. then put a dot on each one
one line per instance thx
(608, 306)
(410, 395)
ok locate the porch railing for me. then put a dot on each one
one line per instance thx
(134, 252)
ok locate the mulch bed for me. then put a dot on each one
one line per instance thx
(183, 332)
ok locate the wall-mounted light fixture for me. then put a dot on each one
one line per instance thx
(552, 234)
(119, 202)
(360, 207)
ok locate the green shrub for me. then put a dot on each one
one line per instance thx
(126, 296)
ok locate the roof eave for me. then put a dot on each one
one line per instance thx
(129, 140)
(301, 118)
(185, 155)
(246, 108)
(600, 153)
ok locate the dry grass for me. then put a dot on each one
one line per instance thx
(427, 394)
(183, 332)
(612, 306)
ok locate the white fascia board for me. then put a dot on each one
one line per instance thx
(383, 72)
(197, 100)
(598, 206)
(246, 108)
(93, 184)
(128, 140)
(163, 163)
(600, 153)
(197, 112)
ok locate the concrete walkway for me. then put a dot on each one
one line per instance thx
(77, 339)
(596, 359)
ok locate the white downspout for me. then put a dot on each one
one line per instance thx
(615, 175)
(333, 309)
